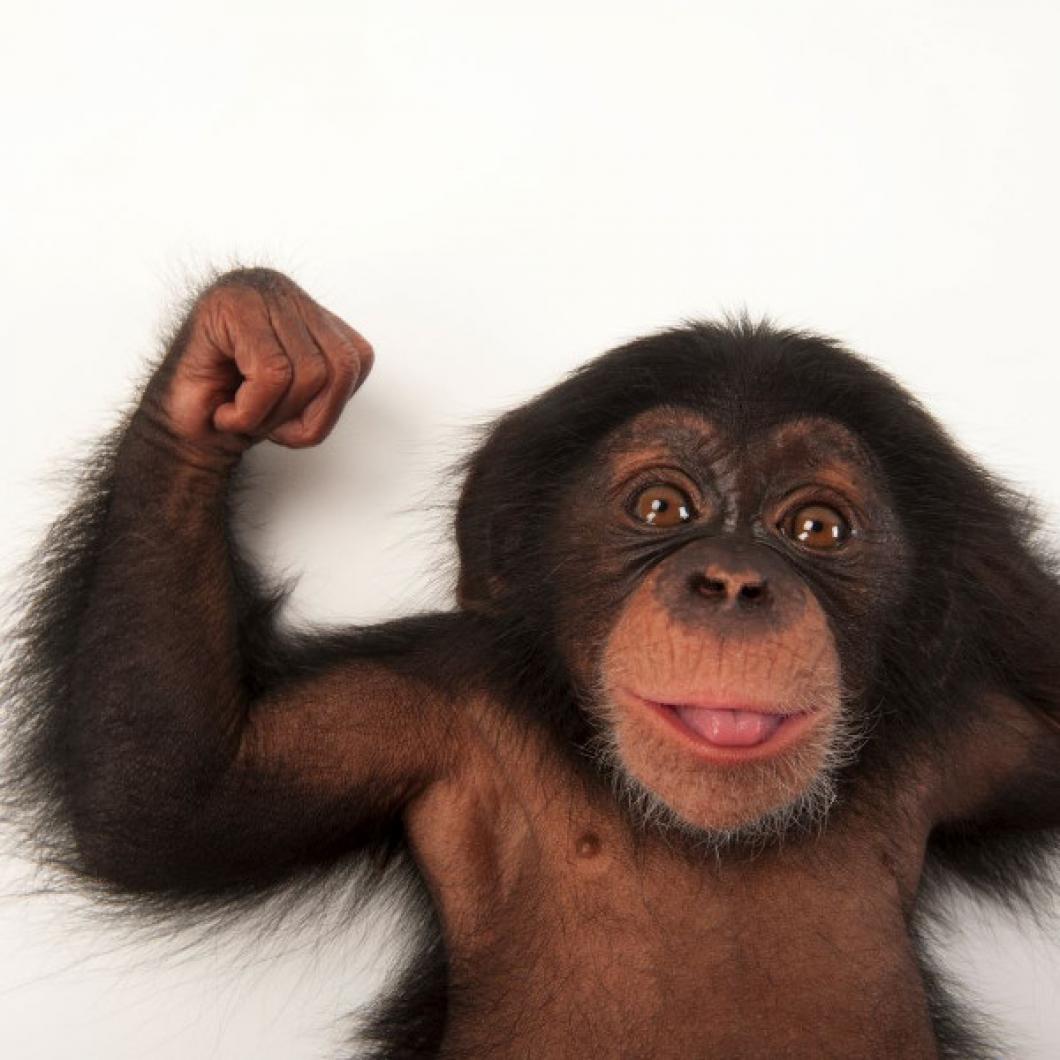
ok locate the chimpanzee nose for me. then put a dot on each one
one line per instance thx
(732, 585)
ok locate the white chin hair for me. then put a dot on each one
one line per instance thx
(805, 814)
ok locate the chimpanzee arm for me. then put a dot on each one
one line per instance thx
(998, 812)
(184, 749)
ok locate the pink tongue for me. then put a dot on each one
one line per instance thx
(730, 728)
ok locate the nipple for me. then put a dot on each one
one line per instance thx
(588, 845)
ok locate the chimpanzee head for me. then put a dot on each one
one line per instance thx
(731, 564)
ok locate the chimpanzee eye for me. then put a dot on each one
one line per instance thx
(662, 505)
(816, 526)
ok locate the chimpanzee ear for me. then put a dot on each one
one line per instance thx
(479, 585)
(487, 543)
(491, 518)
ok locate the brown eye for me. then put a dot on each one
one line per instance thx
(817, 526)
(661, 505)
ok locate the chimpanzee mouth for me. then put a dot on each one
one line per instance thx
(731, 732)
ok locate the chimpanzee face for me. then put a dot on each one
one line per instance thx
(719, 595)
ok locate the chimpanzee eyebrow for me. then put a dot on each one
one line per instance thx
(847, 450)
(694, 451)
(666, 469)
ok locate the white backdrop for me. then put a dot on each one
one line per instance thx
(492, 193)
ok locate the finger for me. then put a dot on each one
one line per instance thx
(349, 358)
(320, 415)
(310, 369)
(266, 372)
(338, 339)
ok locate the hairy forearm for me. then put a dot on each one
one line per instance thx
(156, 690)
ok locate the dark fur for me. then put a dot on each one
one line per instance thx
(985, 612)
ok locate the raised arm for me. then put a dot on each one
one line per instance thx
(176, 744)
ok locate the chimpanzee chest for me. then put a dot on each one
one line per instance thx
(569, 931)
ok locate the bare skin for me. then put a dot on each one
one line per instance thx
(619, 945)
(568, 932)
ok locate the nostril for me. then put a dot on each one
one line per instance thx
(709, 587)
(724, 589)
(753, 592)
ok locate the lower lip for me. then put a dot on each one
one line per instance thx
(775, 740)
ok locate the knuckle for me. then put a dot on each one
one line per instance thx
(277, 370)
(360, 356)
(315, 433)
(262, 280)
(294, 437)
(345, 371)
(367, 360)
(221, 310)
(314, 377)
(224, 296)
(241, 294)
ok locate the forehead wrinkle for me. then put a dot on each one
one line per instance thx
(816, 432)
(666, 431)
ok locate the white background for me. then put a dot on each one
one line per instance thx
(493, 193)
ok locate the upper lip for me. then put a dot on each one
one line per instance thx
(702, 702)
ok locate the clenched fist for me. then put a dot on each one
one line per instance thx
(258, 358)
